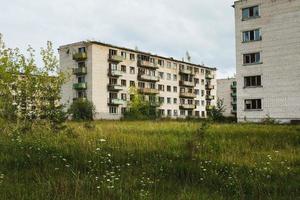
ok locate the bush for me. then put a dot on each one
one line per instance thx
(82, 110)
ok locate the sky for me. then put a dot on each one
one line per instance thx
(204, 28)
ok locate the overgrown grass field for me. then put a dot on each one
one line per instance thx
(151, 160)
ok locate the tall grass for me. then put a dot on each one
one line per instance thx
(150, 160)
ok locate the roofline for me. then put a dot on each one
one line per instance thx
(139, 52)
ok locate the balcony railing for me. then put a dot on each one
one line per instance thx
(210, 97)
(209, 107)
(115, 101)
(187, 83)
(115, 58)
(145, 77)
(187, 95)
(148, 91)
(233, 102)
(80, 56)
(116, 73)
(209, 76)
(188, 106)
(186, 71)
(115, 87)
(80, 86)
(80, 71)
(233, 86)
(144, 63)
(233, 94)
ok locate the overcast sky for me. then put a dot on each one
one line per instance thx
(166, 27)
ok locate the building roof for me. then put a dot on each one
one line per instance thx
(139, 52)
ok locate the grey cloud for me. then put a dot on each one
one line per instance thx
(168, 27)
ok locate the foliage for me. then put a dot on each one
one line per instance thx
(29, 92)
(140, 109)
(148, 160)
(269, 120)
(82, 109)
(216, 113)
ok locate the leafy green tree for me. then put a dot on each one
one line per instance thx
(30, 93)
(140, 109)
(82, 109)
(216, 113)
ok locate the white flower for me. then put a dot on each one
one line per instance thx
(98, 149)
(102, 140)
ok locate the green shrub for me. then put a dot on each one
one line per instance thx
(82, 109)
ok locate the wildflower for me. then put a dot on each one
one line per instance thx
(98, 187)
(67, 166)
(98, 149)
(102, 140)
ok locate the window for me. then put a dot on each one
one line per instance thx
(252, 81)
(175, 100)
(168, 76)
(175, 113)
(202, 71)
(124, 96)
(182, 112)
(197, 114)
(174, 89)
(132, 56)
(202, 103)
(196, 70)
(202, 81)
(196, 92)
(160, 63)
(169, 64)
(202, 93)
(123, 68)
(113, 81)
(253, 104)
(81, 50)
(161, 87)
(174, 77)
(123, 82)
(161, 112)
(169, 113)
(202, 113)
(81, 94)
(113, 110)
(196, 81)
(161, 100)
(252, 35)
(161, 75)
(132, 70)
(175, 65)
(141, 85)
(132, 84)
(250, 12)
(168, 100)
(152, 85)
(80, 79)
(81, 64)
(251, 58)
(123, 54)
(197, 102)
(113, 67)
(113, 52)
(168, 88)
(123, 110)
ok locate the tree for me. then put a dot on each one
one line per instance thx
(216, 113)
(82, 109)
(140, 109)
(29, 93)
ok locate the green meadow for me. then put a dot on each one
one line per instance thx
(150, 160)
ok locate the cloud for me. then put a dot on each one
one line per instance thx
(170, 28)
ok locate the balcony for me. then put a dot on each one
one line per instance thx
(233, 102)
(115, 101)
(116, 73)
(233, 86)
(80, 56)
(79, 99)
(115, 58)
(145, 77)
(209, 76)
(187, 83)
(144, 63)
(233, 112)
(187, 106)
(210, 97)
(80, 71)
(80, 86)
(187, 95)
(148, 91)
(186, 71)
(115, 87)
(233, 94)
(209, 107)
(209, 87)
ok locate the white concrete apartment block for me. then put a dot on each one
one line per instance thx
(227, 92)
(268, 60)
(103, 74)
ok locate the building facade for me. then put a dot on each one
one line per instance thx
(105, 74)
(227, 92)
(268, 59)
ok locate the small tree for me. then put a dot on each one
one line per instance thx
(216, 113)
(140, 109)
(82, 109)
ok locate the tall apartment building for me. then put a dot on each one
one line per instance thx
(268, 59)
(104, 74)
(227, 92)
